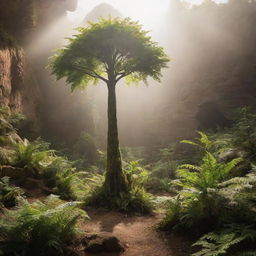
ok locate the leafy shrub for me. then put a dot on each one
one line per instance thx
(32, 156)
(39, 228)
(174, 213)
(200, 199)
(132, 154)
(35, 159)
(227, 242)
(9, 119)
(65, 182)
(162, 169)
(240, 193)
(85, 149)
(244, 131)
(136, 200)
(6, 156)
(9, 195)
(161, 174)
(136, 175)
(240, 137)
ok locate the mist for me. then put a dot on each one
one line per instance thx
(206, 43)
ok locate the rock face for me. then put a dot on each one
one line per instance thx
(213, 71)
(25, 84)
(214, 65)
(18, 86)
(19, 16)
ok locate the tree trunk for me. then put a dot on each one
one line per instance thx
(115, 182)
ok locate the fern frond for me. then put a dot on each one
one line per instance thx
(189, 142)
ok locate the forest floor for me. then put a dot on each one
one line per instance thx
(137, 233)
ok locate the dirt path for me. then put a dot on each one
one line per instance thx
(138, 233)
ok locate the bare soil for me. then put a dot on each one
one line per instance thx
(137, 233)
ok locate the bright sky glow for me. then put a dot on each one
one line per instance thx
(148, 12)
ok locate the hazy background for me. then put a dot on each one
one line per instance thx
(212, 72)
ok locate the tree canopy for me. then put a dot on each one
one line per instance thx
(109, 50)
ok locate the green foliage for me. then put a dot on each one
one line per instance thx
(35, 159)
(136, 175)
(6, 155)
(110, 47)
(174, 210)
(199, 199)
(85, 149)
(203, 142)
(137, 200)
(209, 195)
(208, 175)
(109, 51)
(32, 156)
(222, 243)
(244, 131)
(240, 137)
(9, 119)
(66, 180)
(9, 195)
(240, 193)
(162, 169)
(39, 228)
(133, 154)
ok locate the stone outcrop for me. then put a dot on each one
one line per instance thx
(18, 86)
(25, 85)
(19, 16)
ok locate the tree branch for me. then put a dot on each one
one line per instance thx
(91, 73)
(122, 75)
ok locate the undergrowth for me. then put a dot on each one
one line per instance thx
(135, 200)
(216, 198)
(9, 194)
(39, 228)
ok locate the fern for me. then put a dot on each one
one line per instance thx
(40, 228)
(8, 120)
(9, 195)
(208, 175)
(32, 156)
(203, 142)
(65, 183)
(200, 195)
(137, 200)
(215, 244)
(136, 175)
(6, 156)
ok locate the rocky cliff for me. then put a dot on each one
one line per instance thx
(28, 36)
(18, 86)
(213, 72)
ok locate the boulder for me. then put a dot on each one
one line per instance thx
(99, 243)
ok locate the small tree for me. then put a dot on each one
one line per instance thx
(109, 51)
